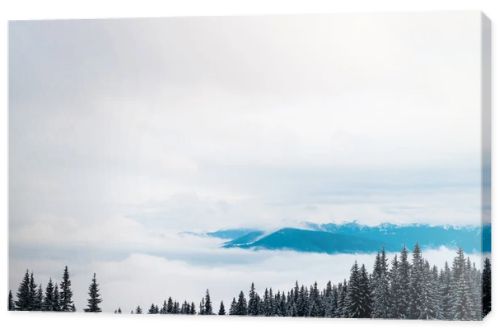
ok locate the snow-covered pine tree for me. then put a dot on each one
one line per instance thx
(11, 305)
(430, 302)
(478, 291)
(341, 310)
(417, 285)
(280, 304)
(163, 309)
(170, 305)
(353, 300)
(56, 299)
(475, 288)
(445, 292)
(315, 305)
(208, 304)
(327, 300)
(94, 297)
(32, 292)
(232, 309)
(332, 304)
(152, 309)
(38, 302)
(253, 301)
(394, 288)
(48, 299)
(176, 309)
(241, 305)
(486, 287)
(404, 285)
(138, 310)
(365, 293)
(184, 308)
(23, 302)
(66, 294)
(435, 293)
(266, 304)
(202, 307)
(222, 310)
(302, 302)
(381, 303)
(462, 304)
(272, 302)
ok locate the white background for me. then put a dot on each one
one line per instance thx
(84, 323)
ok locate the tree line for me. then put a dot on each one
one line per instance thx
(404, 289)
(55, 298)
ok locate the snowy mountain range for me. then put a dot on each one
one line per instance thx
(356, 238)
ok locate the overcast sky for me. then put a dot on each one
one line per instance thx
(125, 132)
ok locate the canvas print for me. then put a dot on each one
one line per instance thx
(322, 166)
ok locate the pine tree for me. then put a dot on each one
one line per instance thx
(48, 299)
(24, 302)
(38, 301)
(66, 294)
(403, 289)
(241, 305)
(365, 293)
(202, 306)
(12, 306)
(232, 309)
(342, 310)
(486, 287)
(94, 297)
(291, 304)
(445, 292)
(327, 299)
(266, 304)
(222, 310)
(356, 303)
(302, 302)
(138, 310)
(152, 309)
(462, 304)
(429, 302)
(56, 299)
(253, 301)
(208, 304)
(164, 308)
(32, 293)
(170, 305)
(434, 295)
(315, 305)
(417, 285)
(394, 288)
(475, 280)
(280, 304)
(381, 294)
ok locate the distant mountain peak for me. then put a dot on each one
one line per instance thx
(352, 237)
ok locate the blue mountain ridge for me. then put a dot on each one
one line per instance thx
(356, 238)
